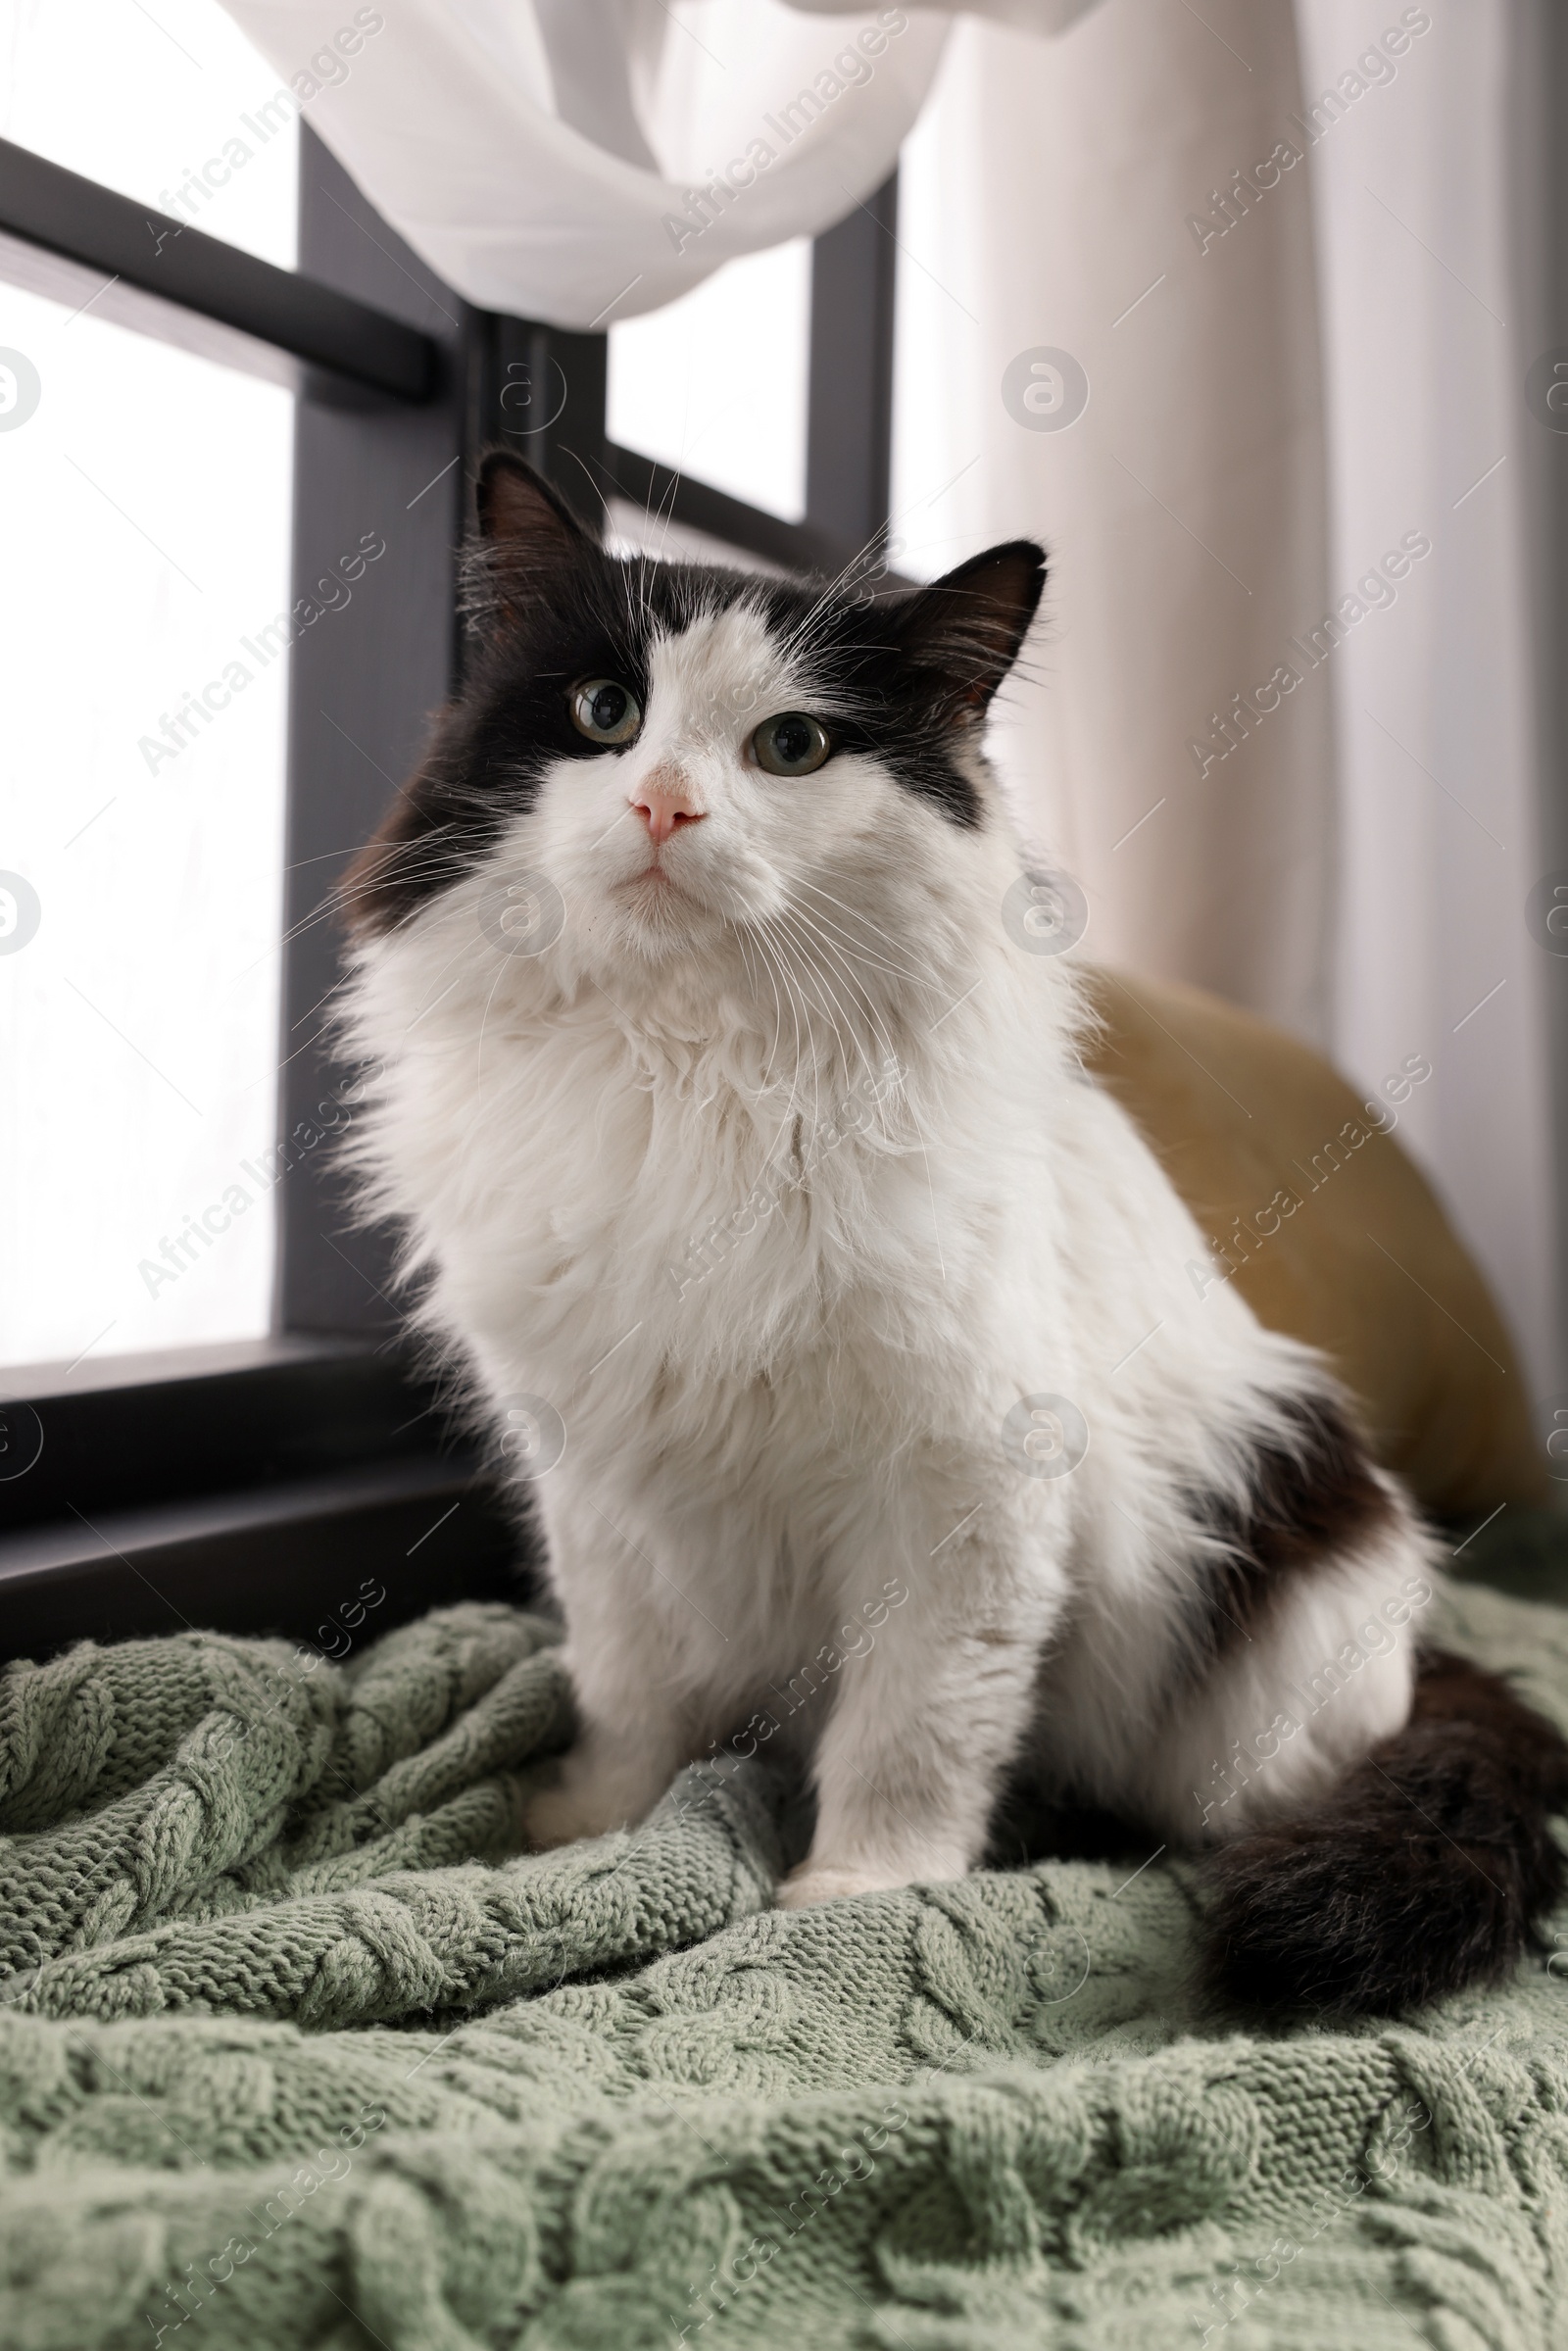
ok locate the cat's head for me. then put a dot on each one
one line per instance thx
(658, 765)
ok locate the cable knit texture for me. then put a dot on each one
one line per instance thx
(298, 2049)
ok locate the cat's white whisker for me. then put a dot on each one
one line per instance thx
(856, 914)
(846, 958)
(831, 1008)
(478, 1054)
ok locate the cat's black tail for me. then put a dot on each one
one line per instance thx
(1427, 1869)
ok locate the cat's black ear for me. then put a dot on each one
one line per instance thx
(963, 632)
(522, 517)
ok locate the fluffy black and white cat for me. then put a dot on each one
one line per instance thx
(740, 1138)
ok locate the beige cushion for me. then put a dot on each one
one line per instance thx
(1366, 1265)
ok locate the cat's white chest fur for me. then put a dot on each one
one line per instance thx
(587, 1199)
(781, 1325)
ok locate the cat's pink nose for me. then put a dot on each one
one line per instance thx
(664, 800)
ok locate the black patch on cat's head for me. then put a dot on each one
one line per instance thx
(905, 678)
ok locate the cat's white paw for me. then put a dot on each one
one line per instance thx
(559, 1816)
(803, 1888)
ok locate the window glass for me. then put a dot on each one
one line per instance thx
(144, 503)
(936, 409)
(714, 384)
(163, 100)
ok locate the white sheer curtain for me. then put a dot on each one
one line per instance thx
(1422, 304)
(585, 160)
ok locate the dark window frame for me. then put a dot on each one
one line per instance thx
(243, 1485)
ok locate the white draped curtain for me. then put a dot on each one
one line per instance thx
(1424, 300)
(1252, 264)
(581, 161)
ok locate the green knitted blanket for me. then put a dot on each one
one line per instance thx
(296, 2049)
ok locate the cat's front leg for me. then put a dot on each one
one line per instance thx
(628, 1679)
(925, 1724)
(611, 1779)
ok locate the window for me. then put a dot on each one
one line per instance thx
(179, 112)
(145, 802)
(716, 384)
(206, 1414)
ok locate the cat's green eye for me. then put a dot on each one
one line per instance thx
(604, 711)
(792, 744)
